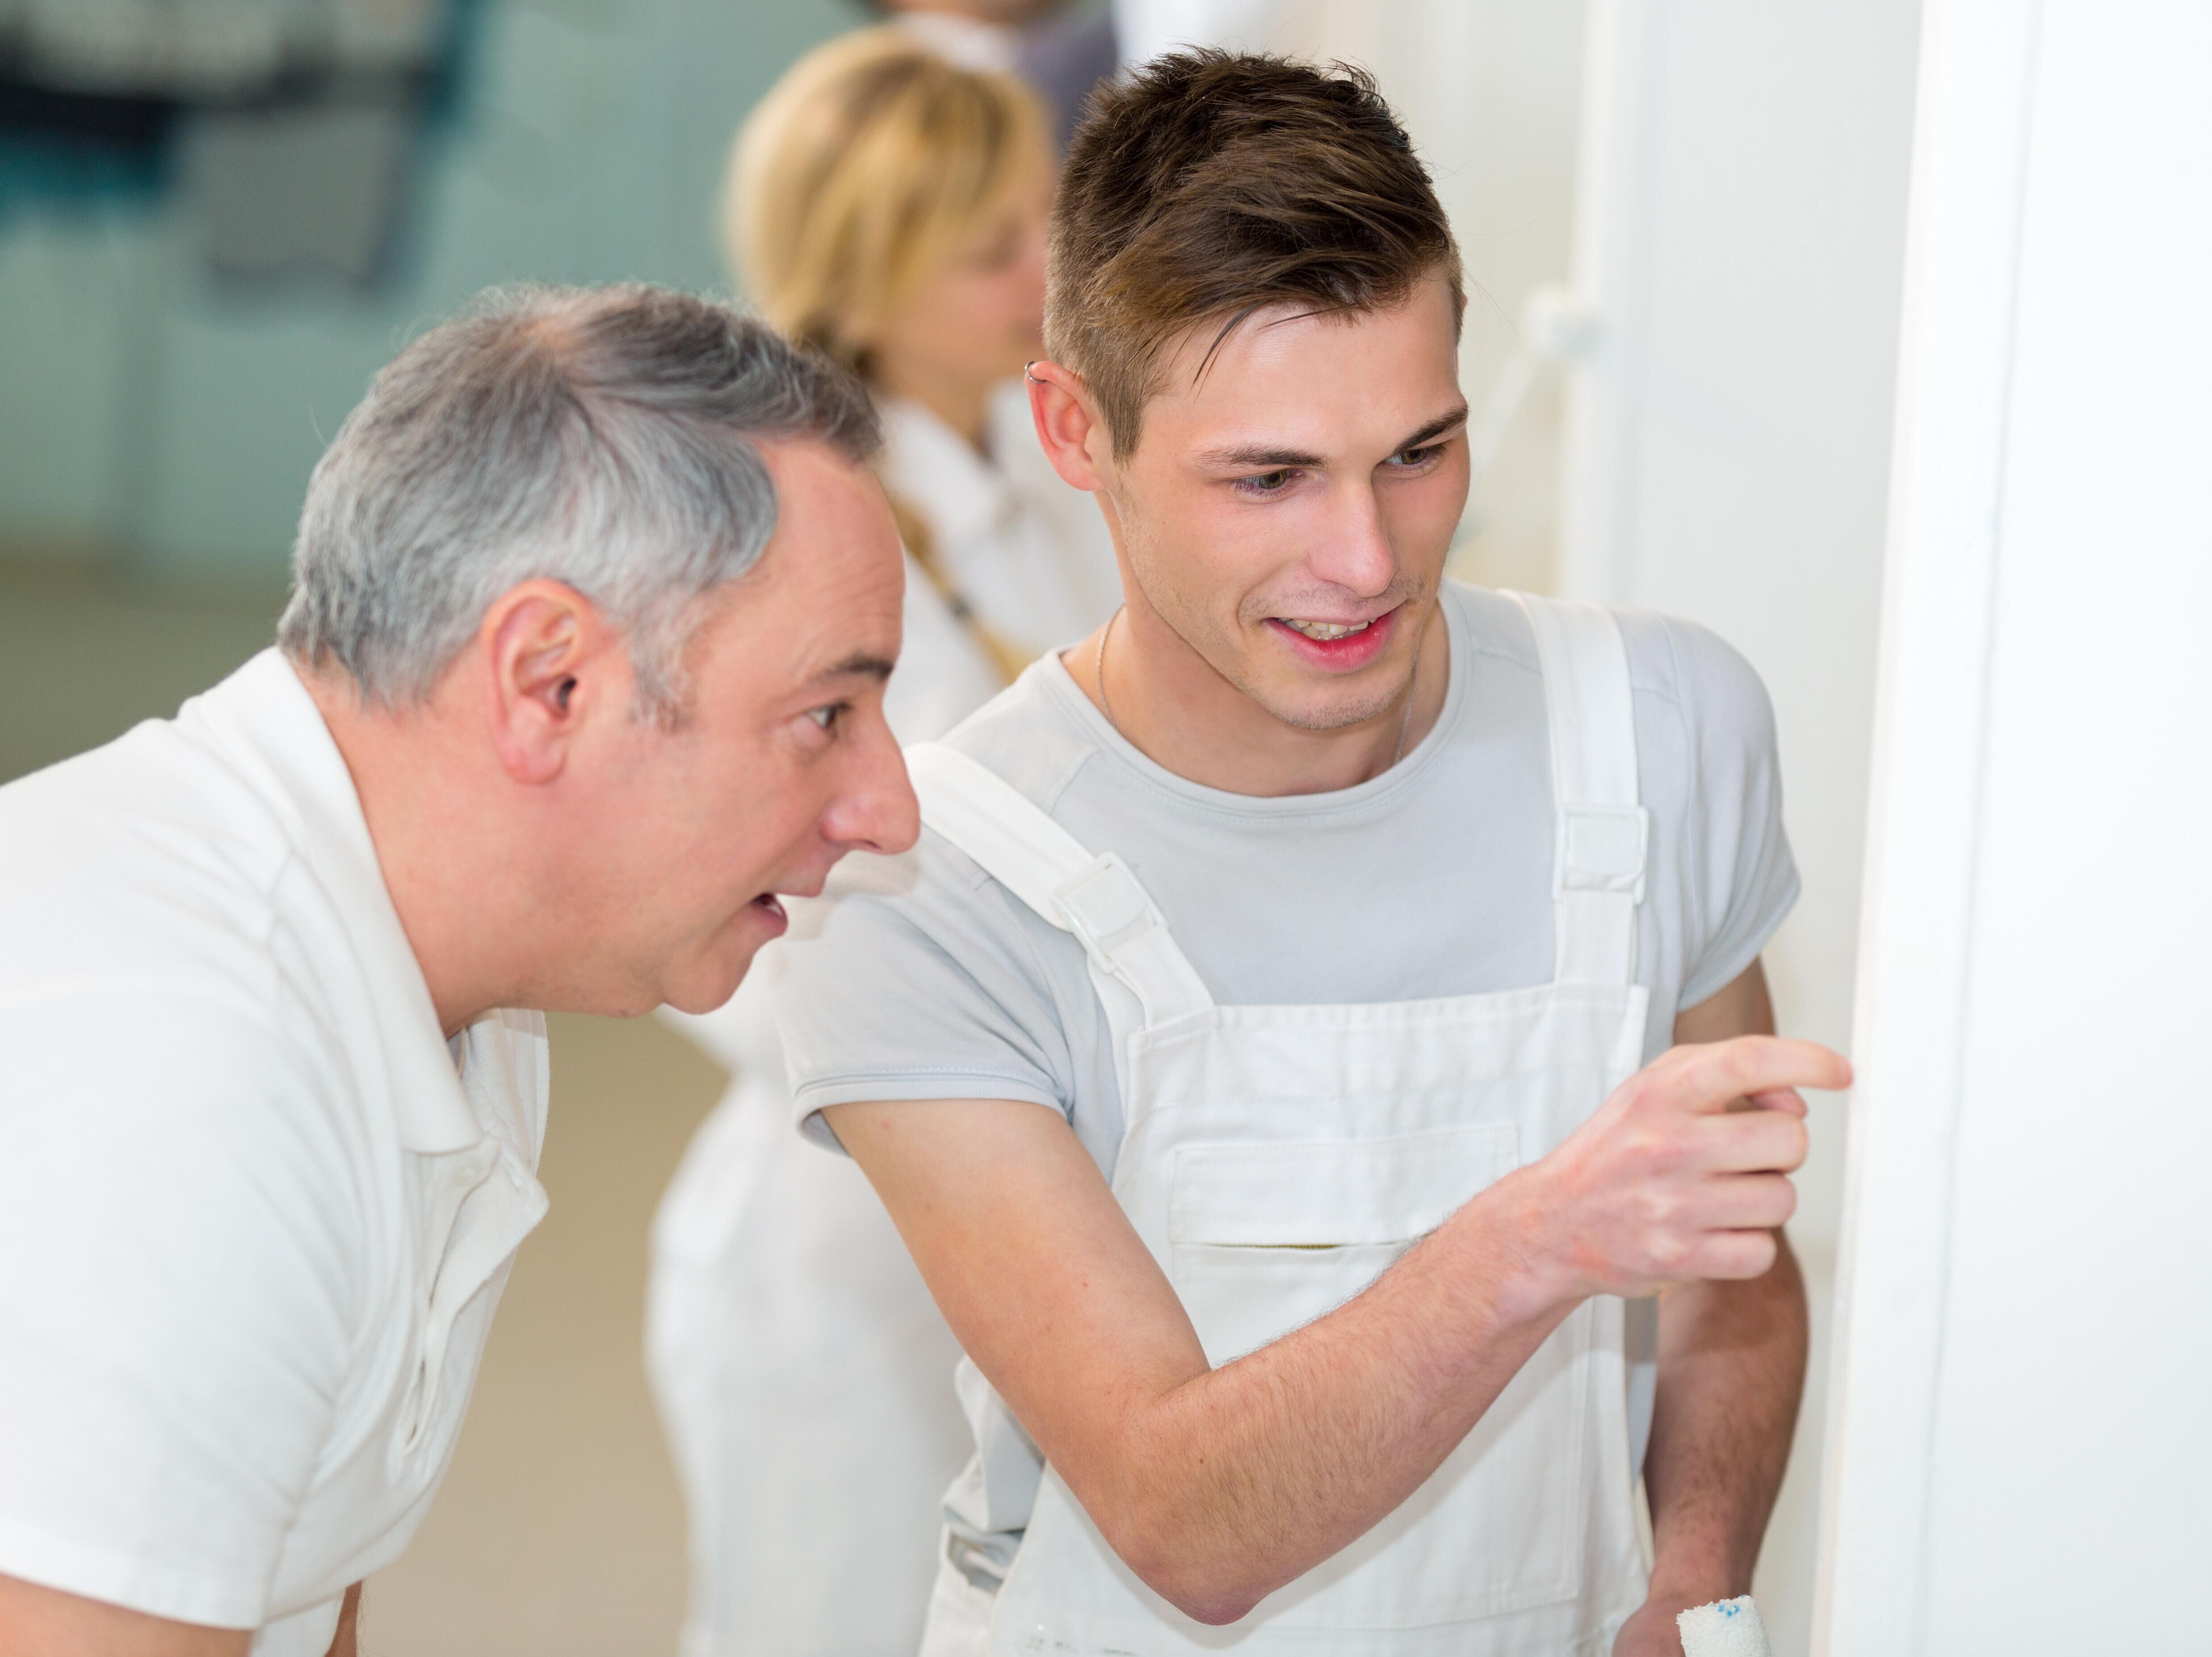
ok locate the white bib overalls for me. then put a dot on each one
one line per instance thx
(1276, 1159)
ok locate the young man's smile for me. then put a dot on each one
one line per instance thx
(1337, 647)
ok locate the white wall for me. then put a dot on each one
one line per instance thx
(1740, 236)
(2021, 1454)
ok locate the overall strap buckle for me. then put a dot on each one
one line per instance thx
(1106, 907)
(1601, 848)
(1602, 838)
(1125, 936)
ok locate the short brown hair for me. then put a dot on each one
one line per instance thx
(1212, 184)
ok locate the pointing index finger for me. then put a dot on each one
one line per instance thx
(1713, 1077)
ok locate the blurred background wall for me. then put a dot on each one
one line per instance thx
(155, 407)
(1706, 202)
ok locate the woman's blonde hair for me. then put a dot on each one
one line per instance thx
(859, 172)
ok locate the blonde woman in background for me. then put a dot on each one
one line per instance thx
(889, 207)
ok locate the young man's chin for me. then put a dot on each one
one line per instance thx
(1321, 701)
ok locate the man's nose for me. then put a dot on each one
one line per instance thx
(1354, 552)
(875, 810)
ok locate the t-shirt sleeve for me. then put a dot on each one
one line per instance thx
(176, 1296)
(1739, 877)
(917, 977)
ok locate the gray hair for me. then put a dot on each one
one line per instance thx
(599, 437)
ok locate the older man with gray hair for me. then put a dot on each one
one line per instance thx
(594, 601)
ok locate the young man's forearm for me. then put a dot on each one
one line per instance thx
(1217, 1487)
(1731, 1373)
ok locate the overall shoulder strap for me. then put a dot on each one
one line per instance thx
(1603, 833)
(1097, 899)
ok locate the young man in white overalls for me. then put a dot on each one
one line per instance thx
(1264, 1053)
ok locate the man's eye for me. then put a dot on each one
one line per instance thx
(1421, 456)
(826, 718)
(1273, 482)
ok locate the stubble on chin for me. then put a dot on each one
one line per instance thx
(1418, 606)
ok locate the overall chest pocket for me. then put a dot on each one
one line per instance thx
(1264, 1238)
(1268, 1237)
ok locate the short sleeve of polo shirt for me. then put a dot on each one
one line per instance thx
(176, 1307)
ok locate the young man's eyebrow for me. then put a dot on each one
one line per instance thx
(1258, 458)
(1264, 460)
(1435, 428)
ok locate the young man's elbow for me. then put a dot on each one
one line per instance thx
(1215, 1610)
(1209, 1591)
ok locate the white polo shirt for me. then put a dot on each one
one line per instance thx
(255, 1209)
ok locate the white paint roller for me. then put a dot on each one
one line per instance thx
(1727, 1628)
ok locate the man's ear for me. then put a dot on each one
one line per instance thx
(1069, 426)
(555, 664)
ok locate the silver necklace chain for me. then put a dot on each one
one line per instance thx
(1105, 707)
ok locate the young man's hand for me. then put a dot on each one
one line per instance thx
(1652, 1631)
(1681, 1176)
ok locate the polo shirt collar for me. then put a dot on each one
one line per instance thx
(275, 735)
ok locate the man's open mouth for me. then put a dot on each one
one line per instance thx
(1322, 632)
(1341, 645)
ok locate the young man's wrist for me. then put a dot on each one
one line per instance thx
(1507, 1231)
(1693, 1584)
(1697, 1568)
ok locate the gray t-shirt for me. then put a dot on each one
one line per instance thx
(920, 977)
